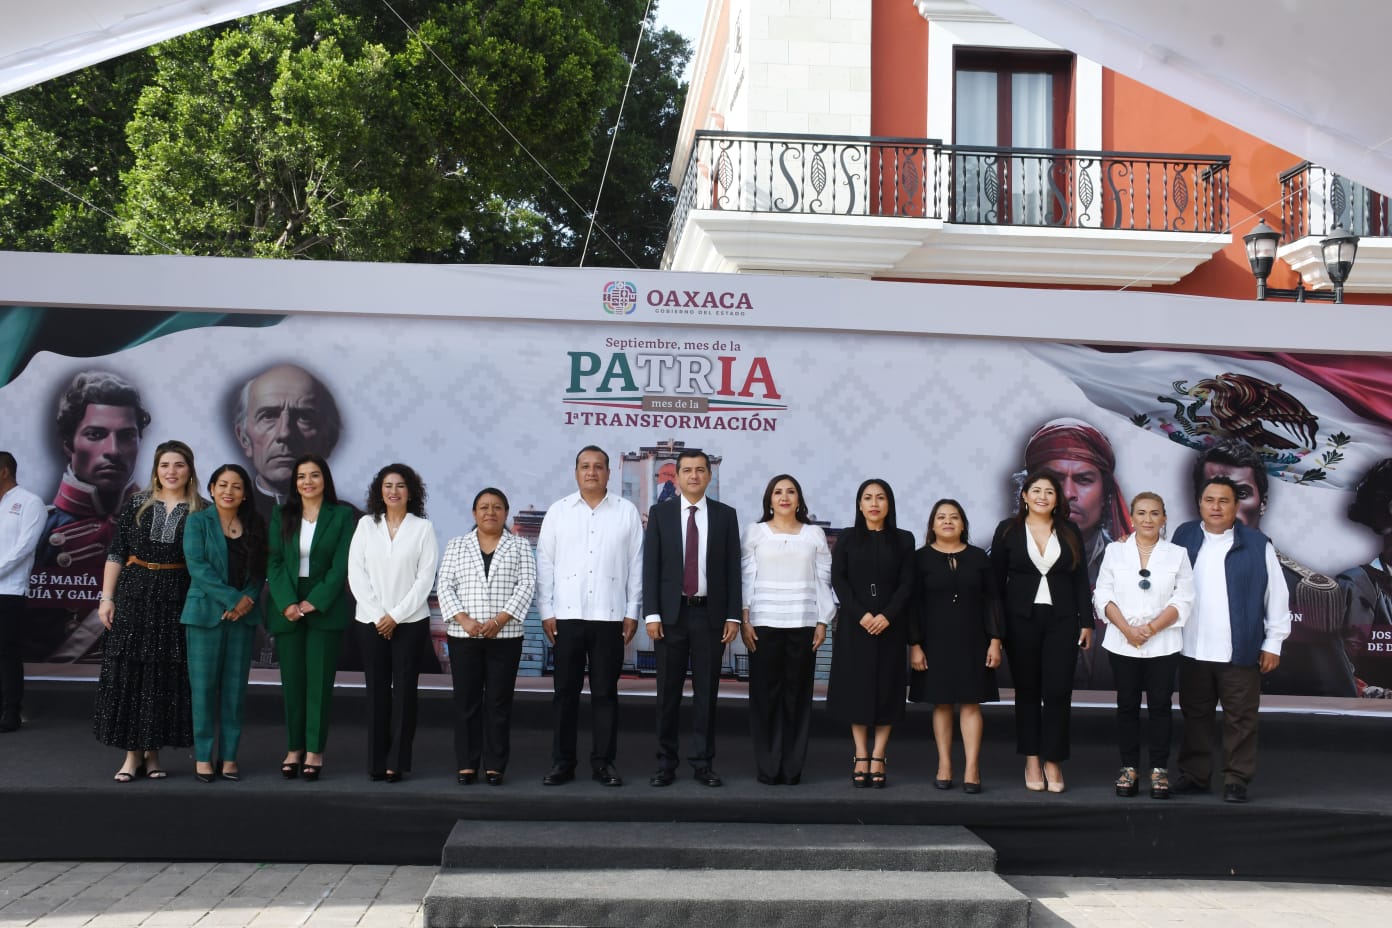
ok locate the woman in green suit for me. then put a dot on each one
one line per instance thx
(225, 550)
(307, 572)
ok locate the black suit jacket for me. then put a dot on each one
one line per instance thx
(663, 560)
(1018, 578)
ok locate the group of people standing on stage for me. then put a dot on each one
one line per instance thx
(182, 593)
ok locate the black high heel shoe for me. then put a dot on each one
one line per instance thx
(860, 779)
(310, 772)
(877, 780)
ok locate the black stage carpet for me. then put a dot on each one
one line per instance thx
(1321, 806)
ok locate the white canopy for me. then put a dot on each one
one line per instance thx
(1310, 76)
(40, 39)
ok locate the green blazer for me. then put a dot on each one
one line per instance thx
(328, 572)
(210, 595)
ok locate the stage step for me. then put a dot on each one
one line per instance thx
(670, 874)
(712, 845)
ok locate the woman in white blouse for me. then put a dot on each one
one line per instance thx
(788, 602)
(391, 568)
(1145, 590)
(487, 580)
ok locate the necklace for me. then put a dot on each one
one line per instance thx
(232, 528)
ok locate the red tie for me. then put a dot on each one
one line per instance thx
(691, 564)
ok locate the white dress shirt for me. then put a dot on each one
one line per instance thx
(787, 578)
(1208, 633)
(1171, 584)
(590, 560)
(22, 518)
(703, 535)
(392, 576)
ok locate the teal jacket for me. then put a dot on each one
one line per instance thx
(328, 572)
(210, 594)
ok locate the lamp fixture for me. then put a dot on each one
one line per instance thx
(1339, 250)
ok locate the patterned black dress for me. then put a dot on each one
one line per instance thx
(143, 700)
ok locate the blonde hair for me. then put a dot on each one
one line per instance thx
(1147, 494)
(191, 495)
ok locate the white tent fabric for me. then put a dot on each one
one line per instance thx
(40, 39)
(1310, 76)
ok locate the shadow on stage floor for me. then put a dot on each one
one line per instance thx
(1321, 806)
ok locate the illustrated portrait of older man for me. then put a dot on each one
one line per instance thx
(99, 424)
(1081, 458)
(1314, 661)
(1367, 588)
(280, 414)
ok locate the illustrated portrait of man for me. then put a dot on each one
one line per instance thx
(99, 424)
(1081, 458)
(1314, 662)
(280, 414)
(666, 481)
(1367, 588)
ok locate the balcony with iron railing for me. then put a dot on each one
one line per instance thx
(744, 189)
(1314, 200)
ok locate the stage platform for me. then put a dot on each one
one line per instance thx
(1321, 806)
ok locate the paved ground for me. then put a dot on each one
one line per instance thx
(158, 895)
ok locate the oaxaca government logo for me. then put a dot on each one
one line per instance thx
(673, 384)
(620, 297)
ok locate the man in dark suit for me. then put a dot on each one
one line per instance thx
(691, 601)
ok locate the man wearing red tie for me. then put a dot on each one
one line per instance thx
(691, 604)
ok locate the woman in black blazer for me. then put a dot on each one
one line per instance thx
(1041, 570)
(872, 572)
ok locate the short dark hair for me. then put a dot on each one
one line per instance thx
(594, 448)
(415, 492)
(8, 462)
(693, 453)
(1221, 480)
(102, 388)
(490, 491)
(800, 513)
(1231, 452)
(932, 536)
(1372, 498)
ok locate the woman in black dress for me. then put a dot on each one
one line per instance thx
(872, 574)
(143, 701)
(955, 638)
(1042, 572)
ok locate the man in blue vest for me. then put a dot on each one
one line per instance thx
(1241, 615)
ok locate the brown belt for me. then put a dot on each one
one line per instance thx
(148, 566)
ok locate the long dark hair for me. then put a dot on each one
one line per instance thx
(1061, 512)
(415, 492)
(889, 523)
(932, 536)
(800, 513)
(293, 511)
(253, 526)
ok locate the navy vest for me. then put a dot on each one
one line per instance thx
(1245, 570)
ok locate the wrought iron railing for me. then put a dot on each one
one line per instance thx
(1314, 200)
(923, 178)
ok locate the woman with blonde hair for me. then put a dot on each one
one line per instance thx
(143, 700)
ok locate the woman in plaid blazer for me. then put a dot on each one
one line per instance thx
(486, 583)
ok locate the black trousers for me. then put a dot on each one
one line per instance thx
(1154, 676)
(780, 699)
(1043, 651)
(392, 667)
(11, 657)
(695, 639)
(1202, 685)
(485, 675)
(601, 644)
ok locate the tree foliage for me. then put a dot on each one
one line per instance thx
(338, 132)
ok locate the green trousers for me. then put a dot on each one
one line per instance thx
(219, 660)
(308, 658)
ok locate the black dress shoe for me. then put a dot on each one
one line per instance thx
(970, 787)
(663, 777)
(606, 775)
(377, 777)
(793, 780)
(767, 780)
(494, 777)
(395, 776)
(707, 776)
(10, 722)
(943, 784)
(1233, 792)
(1184, 785)
(466, 779)
(558, 775)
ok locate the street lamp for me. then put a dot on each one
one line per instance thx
(1338, 251)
